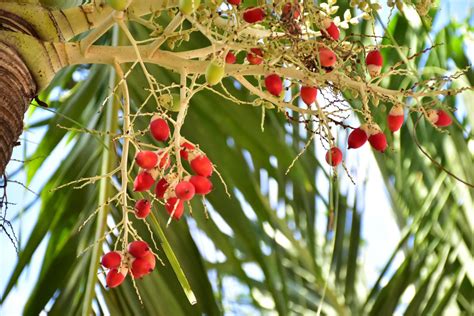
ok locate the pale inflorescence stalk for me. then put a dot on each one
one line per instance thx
(127, 130)
(183, 108)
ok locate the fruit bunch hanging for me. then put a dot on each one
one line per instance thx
(138, 260)
(170, 182)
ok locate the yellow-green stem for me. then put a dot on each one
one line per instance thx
(173, 261)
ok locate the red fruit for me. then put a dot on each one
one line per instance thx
(144, 181)
(111, 260)
(202, 166)
(290, 11)
(274, 84)
(114, 278)
(185, 190)
(142, 208)
(234, 2)
(334, 156)
(230, 58)
(333, 31)
(327, 58)
(176, 205)
(378, 141)
(146, 159)
(254, 15)
(202, 185)
(140, 267)
(138, 248)
(161, 188)
(439, 117)
(395, 122)
(395, 118)
(254, 57)
(443, 119)
(164, 159)
(159, 128)
(374, 62)
(357, 138)
(308, 94)
(150, 257)
(184, 153)
(135, 274)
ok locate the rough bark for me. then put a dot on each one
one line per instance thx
(17, 89)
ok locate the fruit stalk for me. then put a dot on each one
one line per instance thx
(183, 108)
(127, 131)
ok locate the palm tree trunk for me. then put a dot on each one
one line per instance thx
(17, 89)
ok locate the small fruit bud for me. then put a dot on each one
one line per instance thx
(234, 2)
(214, 73)
(189, 6)
(144, 181)
(118, 5)
(202, 185)
(172, 102)
(334, 156)
(230, 58)
(395, 118)
(114, 278)
(357, 138)
(327, 58)
(186, 148)
(374, 62)
(253, 15)
(159, 128)
(274, 84)
(202, 166)
(185, 190)
(111, 260)
(138, 248)
(331, 30)
(163, 159)
(142, 208)
(141, 267)
(443, 119)
(439, 118)
(161, 188)
(150, 257)
(255, 56)
(146, 159)
(308, 94)
(175, 206)
(378, 141)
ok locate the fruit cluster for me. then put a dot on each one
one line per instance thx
(290, 12)
(156, 168)
(311, 59)
(377, 139)
(290, 17)
(138, 260)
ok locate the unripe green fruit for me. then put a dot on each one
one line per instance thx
(214, 73)
(119, 5)
(188, 6)
(170, 102)
(212, 4)
(175, 103)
